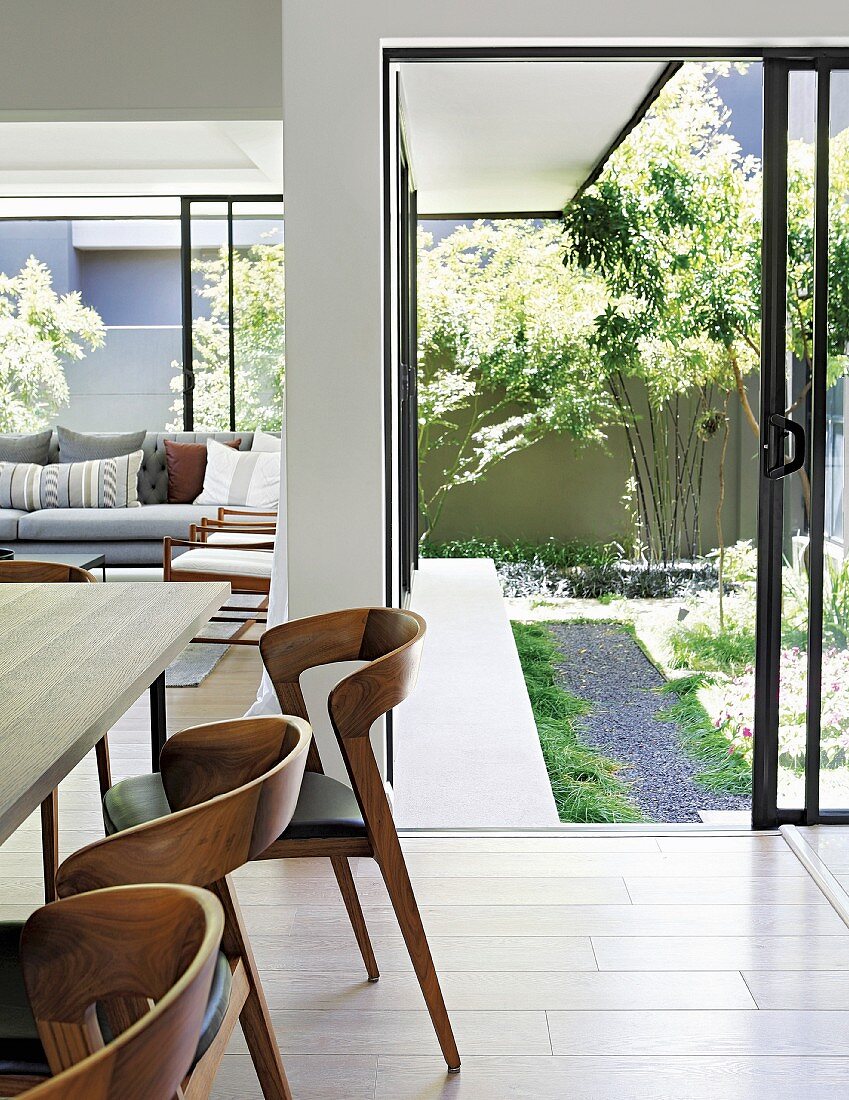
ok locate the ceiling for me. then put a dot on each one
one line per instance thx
(502, 136)
(141, 158)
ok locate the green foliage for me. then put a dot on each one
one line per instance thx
(259, 327)
(504, 351)
(585, 784)
(40, 331)
(552, 553)
(705, 647)
(722, 771)
(673, 227)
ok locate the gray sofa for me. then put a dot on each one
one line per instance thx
(126, 536)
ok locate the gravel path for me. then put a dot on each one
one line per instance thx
(604, 665)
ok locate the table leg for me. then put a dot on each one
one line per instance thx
(158, 720)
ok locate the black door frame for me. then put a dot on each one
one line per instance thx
(407, 361)
(777, 65)
(777, 72)
(186, 202)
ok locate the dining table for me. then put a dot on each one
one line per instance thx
(73, 659)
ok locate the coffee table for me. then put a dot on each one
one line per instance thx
(82, 561)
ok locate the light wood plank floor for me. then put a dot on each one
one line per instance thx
(589, 967)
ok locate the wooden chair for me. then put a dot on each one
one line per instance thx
(332, 820)
(41, 572)
(225, 791)
(88, 968)
(247, 568)
(252, 528)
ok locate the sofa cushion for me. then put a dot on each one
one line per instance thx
(25, 448)
(265, 441)
(9, 523)
(186, 463)
(245, 480)
(153, 475)
(151, 521)
(85, 446)
(243, 563)
(100, 483)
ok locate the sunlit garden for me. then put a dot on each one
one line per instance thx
(621, 345)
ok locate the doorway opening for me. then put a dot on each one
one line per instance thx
(604, 411)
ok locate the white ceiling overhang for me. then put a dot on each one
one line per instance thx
(515, 136)
(141, 158)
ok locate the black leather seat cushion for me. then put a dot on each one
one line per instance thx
(326, 807)
(21, 1051)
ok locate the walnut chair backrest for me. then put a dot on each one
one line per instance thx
(121, 948)
(390, 641)
(233, 787)
(43, 572)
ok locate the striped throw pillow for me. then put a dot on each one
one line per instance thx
(250, 479)
(101, 483)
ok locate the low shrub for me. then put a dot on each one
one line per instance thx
(736, 719)
(708, 649)
(578, 570)
(722, 770)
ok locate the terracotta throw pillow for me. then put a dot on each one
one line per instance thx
(186, 464)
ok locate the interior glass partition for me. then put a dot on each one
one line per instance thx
(234, 313)
(103, 350)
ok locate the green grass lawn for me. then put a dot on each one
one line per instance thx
(585, 784)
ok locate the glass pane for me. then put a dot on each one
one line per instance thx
(834, 722)
(210, 317)
(792, 720)
(258, 314)
(103, 347)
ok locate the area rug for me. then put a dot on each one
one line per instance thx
(198, 659)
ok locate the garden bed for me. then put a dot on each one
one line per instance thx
(577, 570)
(666, 759)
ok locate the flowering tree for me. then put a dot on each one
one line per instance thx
(504, 351)
(259, 325)
(40, 331)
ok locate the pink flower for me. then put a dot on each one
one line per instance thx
(747, 732)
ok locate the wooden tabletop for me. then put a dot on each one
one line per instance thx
(73, 658)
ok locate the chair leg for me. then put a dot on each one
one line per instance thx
(390, 859)
(104, 770)
(50, 843)
(342, 870)
(255, 1017)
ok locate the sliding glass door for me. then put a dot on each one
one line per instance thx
(801, 768)
(408, 445)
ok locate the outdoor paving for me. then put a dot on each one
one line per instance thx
(604, 665)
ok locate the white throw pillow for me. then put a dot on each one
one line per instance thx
(250, 479)
(264, 441)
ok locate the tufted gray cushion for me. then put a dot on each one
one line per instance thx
(153, 475)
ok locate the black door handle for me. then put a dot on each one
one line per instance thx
(785, 427)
